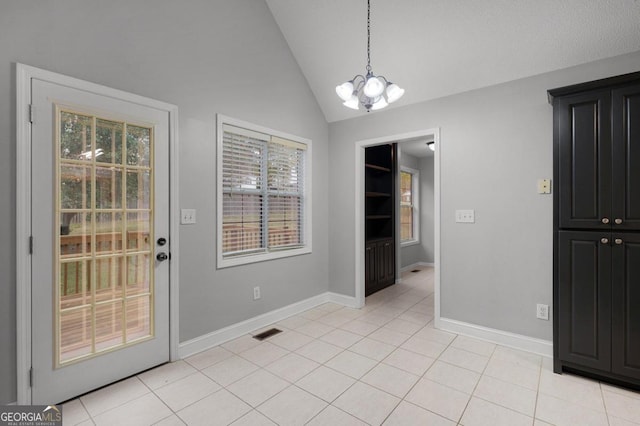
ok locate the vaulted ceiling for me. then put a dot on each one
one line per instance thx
(435, 48)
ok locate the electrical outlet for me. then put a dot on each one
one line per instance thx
(542, 311)
(465, 216)
(256, 293)
(187, 216)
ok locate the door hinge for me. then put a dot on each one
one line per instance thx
(31, 245)
(32, 113)
(31, 377)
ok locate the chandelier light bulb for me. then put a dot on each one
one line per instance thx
(352, 102)
(379, 103)
(431, 145)
(373, 87)
(394, 92)
(345, 90)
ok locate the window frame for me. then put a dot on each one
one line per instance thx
(415, 206)
(225, 262)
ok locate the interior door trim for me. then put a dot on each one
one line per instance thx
(24, 115)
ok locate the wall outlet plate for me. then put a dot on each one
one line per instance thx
(256, 293)
(544, 186)
(465, 216)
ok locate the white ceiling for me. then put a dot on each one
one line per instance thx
(435, 48)
(417, 147)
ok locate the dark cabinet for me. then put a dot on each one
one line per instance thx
(380, 258)
(625, 297)
(597, 229)
(584, 295)
(380, 271)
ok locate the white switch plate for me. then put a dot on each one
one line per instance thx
(542, 311)
(544, 186)
(187, 216)
(256, 293)
(465, 216)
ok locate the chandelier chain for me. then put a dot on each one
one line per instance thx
(369, 35)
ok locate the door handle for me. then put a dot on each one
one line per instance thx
(602, 240)
(162, 256)
(618, 221)
(618, 241)
(605, 220)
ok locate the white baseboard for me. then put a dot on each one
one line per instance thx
(504, 338)
(415, 265)
(341, 299)
(231, 332)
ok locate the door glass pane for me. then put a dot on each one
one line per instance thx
(74, 284)
(108, 188)
(138, 146)
(76, 335)
(75, 136)
(109, 325)
(108, 279)
(75, 234)
(138, 190)
(138, 313)
(108, 141)
(108, 232)
(75, 187)
(104, 268)
(137, 274)
(138, 236)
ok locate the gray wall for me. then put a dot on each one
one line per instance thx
(495, 143)
(207, 57)
(423, 252)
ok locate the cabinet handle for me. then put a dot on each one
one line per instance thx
(618, 241)
(605, 220)
(604, 240)
(618, 221)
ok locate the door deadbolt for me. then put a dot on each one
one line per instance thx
(162, 241)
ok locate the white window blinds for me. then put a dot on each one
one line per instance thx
(262, 192)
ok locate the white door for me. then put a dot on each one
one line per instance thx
(100, 213)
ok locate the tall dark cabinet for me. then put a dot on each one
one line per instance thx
(597, 229)
(380, 178)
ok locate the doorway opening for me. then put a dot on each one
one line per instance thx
(405, 139)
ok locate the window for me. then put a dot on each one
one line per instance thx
(264, 206)
(409, 207)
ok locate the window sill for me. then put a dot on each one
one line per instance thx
(409, 243)
(262, 257)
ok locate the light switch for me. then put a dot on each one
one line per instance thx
(465, 216)
(544, 186)
(187, 216)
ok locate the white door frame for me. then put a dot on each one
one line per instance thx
(359, 211)
(24, 74)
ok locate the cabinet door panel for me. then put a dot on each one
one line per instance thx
(370, 268)
(626, 305)
(584, 139)
(584, 269)
(626, 158)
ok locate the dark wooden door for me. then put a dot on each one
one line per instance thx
(584, 159)
(626, 158)
(626, 305)
(584, 291)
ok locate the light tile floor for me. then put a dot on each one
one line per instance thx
(383, 364)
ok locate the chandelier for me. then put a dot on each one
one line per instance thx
(371, 91)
